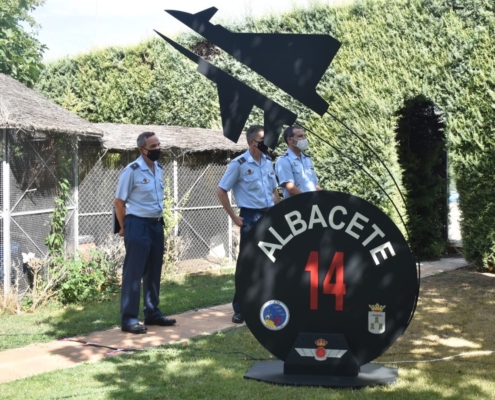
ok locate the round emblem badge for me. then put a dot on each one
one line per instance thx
(338, 263)
(274, 315)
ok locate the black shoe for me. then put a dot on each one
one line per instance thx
(161, 321)
(237, 318)
(136, 328)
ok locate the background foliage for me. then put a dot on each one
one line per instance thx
(392, 52)
(422, 155)
(21, 54)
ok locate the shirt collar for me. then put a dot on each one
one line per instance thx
(142, 163)
(293, 156)
(249, 158)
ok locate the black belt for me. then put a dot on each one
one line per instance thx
(255, 209)
(156, 219)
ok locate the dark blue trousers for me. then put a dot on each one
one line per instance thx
(250, 217)
(144, 245)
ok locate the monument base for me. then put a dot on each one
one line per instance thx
(370, 375)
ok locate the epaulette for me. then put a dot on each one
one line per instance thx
(268, 157)
(159, 165)
(135, 165)
(241, 160)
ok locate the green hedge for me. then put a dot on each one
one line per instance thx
(393, 52)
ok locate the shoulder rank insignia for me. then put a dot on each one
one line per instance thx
(159, 165)
(135, 165)
(241, 160)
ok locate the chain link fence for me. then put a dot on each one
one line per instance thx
(203, 230)
(32, 168)
(34, 165)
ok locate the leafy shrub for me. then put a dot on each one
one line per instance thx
(91, 277)
(392, 51)
(422, 155)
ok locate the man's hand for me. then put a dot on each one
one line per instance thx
(120, 214)
(239, 221)
(224, 199)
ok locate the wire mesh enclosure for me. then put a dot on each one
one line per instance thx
(202, 229)
(35, 166)
(32, 168)
(35, 163)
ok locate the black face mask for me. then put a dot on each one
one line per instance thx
(262, 147)
(154, 154)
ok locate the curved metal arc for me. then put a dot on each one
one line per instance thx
(418, 263)
(373, 151)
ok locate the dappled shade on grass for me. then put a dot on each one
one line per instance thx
(455, 315)
(178, 293)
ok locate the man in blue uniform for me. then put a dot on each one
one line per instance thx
(295, 170)
(252, 179)
(139, 210)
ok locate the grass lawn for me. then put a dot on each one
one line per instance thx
(455, 315)
(177, 293)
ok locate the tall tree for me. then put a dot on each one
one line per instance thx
(21, 54)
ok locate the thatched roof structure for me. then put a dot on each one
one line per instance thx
(122, 137)
(23, 108)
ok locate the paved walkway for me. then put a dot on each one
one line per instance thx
(44, 357)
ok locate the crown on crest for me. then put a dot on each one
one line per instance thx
(321, 342)
(377, 307)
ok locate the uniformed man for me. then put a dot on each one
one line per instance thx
(295, 170)
(139, 210)
(252, 178)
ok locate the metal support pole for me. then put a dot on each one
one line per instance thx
(7, 261)
(76, 196)
(176, 199)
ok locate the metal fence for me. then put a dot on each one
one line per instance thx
(33, 165)
(204, 230)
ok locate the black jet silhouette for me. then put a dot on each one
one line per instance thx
(293, 62)
(237, 101)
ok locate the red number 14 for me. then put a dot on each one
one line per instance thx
(337, 288)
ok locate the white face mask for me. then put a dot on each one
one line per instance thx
(302, 144)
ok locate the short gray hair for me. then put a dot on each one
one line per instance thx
(141, 140)
(289, 132)
(253, 130)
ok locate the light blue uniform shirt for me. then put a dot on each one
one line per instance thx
(252, 183)
(301, 171)
(141, 191)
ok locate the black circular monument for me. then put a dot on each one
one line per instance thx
(326, 280)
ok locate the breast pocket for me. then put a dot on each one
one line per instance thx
(312, 174)
(251, 181)
(272, 180)
(144, 187)
(298, 172)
